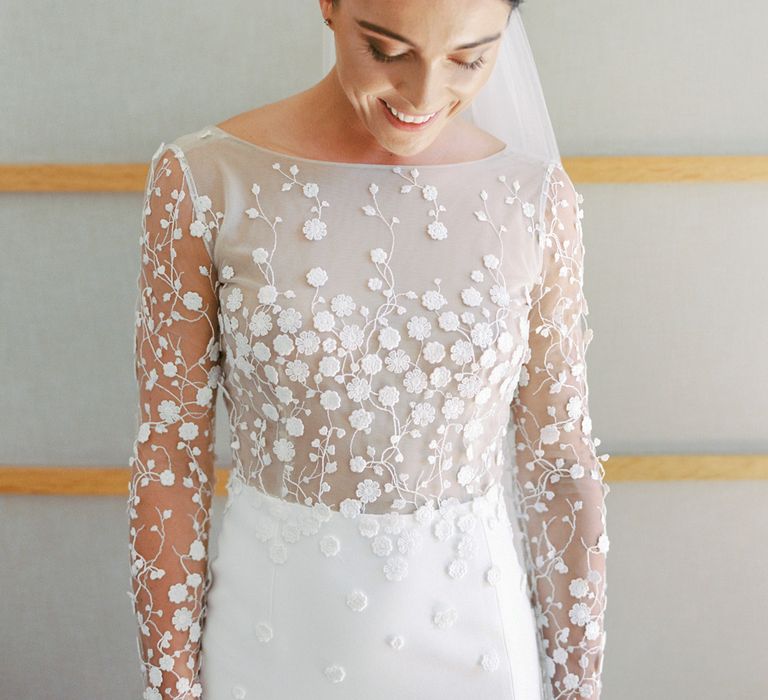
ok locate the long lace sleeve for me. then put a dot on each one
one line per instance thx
(559, 478)
(176, 348)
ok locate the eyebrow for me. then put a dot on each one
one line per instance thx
(392, 35)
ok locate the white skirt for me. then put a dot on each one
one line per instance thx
(307, 603)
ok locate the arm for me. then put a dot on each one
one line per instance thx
(559, 477)
(176, 366)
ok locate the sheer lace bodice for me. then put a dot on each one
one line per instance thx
(386, 340)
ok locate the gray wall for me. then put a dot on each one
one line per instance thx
(675, 275)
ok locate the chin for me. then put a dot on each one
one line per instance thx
(408, 142)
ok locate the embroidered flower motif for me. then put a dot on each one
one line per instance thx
(368, 525)
(382, 546)
(578, 588)
(419, 328)
(314, 229)
(260, 256)
(425, 513)
(576, 471)
(592, 630)
(493, 575)
(466, 474)
(429, 192)
(260, 323)
(335, 673)
(343, 305)
(408, 541)
(329, 545)
(457, 568)
(466, 546)
(471, 296)
(396, 641)
(443, 529)
(397, 361)
(350, 508)
(571, 682)
(357, 601)
(396, 568)
(444, 619)
(378, 256)
(360, 419)
(238, 692)
(182, 619)
(437, 230)
(317, 277)
(392, 522)
(415, 381)
(389, 338)
(266, 295)
(579, 614)
(489, 661)
(290, 532)
(433, 300)
(423, 413)
(264, 631)
(234, 299)
(368, 490)
(466, 522)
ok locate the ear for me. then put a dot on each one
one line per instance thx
(326, 8)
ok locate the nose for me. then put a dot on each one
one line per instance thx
(424, 90)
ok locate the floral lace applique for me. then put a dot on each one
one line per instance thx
(375, 381)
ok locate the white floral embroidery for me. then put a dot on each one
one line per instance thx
(335, 673)
(357, 601)
(396, 568)
(493, 575)
(330, 545)
(374, 386)
(264, 632)
(457, 568)
(445, 619)
(436, 228)
(489, 661)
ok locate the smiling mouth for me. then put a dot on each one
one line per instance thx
(408, 120)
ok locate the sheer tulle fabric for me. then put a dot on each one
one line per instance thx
(391, 345)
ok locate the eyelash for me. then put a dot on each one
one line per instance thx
(379, 56)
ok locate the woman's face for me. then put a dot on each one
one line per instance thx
(419, 57)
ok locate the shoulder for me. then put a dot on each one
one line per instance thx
(267, 125)
(472, 142)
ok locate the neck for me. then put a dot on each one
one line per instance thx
(331, 118)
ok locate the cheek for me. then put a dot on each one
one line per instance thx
(468, 87)
(367, 78)
(360, 75)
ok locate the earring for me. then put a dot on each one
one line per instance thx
(327, 22)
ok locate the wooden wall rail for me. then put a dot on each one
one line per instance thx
(130, 177)
(113, 481)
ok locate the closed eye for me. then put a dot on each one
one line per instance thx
(385, 58)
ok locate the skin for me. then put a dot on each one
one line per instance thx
(340, 118)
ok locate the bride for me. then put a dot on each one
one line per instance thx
(382, 277)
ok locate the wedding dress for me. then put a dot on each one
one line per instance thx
(416, 506)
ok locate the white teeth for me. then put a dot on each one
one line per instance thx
(407, 118)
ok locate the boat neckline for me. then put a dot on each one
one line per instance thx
(290, 156)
